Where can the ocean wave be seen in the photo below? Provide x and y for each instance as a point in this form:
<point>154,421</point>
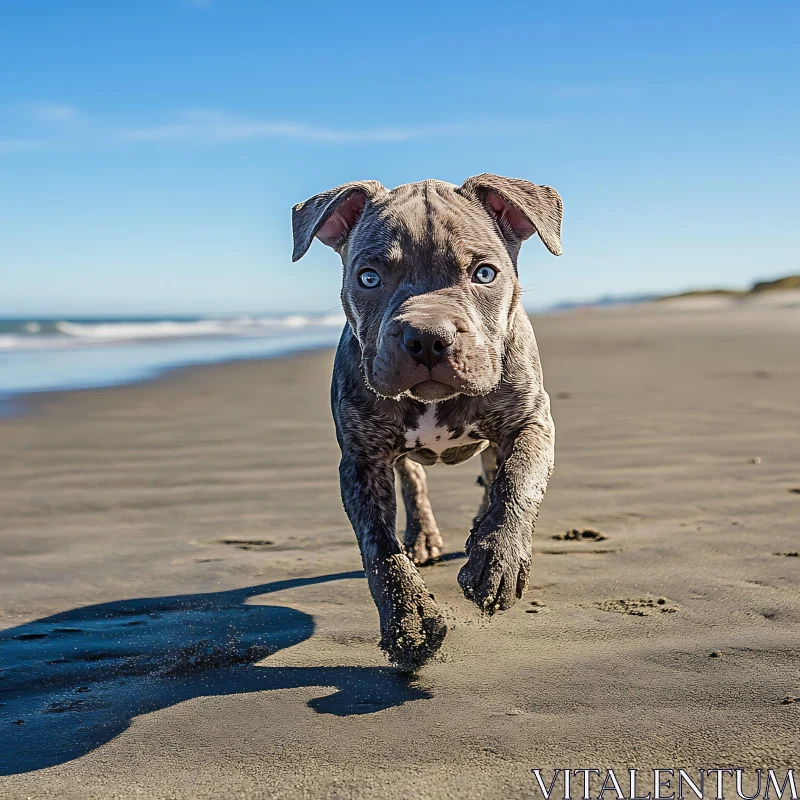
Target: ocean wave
<point>68,334</point>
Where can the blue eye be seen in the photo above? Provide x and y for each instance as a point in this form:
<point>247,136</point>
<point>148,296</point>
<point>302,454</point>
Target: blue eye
<point>369,278</point>
<point>484,274</point>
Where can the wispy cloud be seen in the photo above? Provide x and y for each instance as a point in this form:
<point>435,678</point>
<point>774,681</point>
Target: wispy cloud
<point>51,112</point>
<point>62,126</point>
<point>215,127</point>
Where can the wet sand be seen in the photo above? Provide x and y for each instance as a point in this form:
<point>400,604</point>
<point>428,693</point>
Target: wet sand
<point>183,615</point>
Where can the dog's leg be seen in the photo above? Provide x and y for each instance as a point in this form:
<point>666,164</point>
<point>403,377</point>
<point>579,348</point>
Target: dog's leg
<point>412,627</point>
<point>499,546</point>
<point>486,479</point>
<point>423,542</point>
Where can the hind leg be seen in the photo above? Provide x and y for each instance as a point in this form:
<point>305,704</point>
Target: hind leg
<point>423,542</point>
<point>486,479</point>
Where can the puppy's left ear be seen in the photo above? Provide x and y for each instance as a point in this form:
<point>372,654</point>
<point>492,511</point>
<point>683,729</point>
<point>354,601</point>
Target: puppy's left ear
<point>520,209</point>
<point>332,215</point>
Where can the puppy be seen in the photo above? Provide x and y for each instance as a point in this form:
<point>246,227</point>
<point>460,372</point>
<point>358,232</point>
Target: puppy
<point>437,363</point>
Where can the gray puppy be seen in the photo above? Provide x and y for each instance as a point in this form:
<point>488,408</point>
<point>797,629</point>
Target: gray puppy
<point>437,363</point>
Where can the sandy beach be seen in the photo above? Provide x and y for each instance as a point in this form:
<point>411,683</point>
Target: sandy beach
<point>183,612</point>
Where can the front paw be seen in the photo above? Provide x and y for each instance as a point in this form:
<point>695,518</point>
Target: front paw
<point>424,547</point>
<point>496,572</point>
<point>412,627</point>
<point>412,636</point>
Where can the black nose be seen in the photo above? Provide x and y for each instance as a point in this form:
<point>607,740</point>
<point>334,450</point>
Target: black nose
<point>424,347</point>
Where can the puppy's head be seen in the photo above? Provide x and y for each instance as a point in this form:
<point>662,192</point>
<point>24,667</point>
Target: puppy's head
<point>430,275</point>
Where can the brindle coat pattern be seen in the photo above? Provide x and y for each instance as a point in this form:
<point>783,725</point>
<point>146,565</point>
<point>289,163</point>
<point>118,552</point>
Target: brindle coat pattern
<point>483,392</point>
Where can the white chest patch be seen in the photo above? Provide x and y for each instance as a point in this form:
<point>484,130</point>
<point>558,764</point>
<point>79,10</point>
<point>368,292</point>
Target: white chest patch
<point>431,436</point>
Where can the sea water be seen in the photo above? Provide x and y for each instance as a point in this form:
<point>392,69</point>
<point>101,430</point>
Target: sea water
<point>39,355</point>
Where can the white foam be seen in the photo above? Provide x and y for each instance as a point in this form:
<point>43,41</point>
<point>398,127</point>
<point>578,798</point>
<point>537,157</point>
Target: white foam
<point>11,342</point>
<point>81,334</point>
<point>128,331</point>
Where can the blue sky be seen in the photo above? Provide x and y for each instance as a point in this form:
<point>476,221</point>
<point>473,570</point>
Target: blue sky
<point>151,150</point>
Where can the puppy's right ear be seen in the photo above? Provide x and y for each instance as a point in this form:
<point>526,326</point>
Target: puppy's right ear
<point>332,215</point>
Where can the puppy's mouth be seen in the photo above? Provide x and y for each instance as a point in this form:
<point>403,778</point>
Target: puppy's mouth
<point>431,391</point>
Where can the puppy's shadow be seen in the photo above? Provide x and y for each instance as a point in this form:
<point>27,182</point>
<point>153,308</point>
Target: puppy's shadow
<point>71,682</point>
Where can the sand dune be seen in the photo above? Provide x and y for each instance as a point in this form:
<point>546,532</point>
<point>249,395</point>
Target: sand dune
<point>183,613</point>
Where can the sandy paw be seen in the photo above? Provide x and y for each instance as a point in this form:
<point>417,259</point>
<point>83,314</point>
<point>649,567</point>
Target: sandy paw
<point>494,577</point>
<point>413,633</point>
